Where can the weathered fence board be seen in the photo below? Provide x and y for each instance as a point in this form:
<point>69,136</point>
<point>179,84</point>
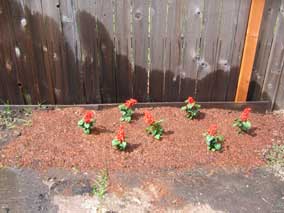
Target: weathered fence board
<point>237,51</point>
<point>123,47</point>
<point>159,28</point>
<point>267,82</point>
<point>172,74</point>
<point>192,35</point>
<point>140,45</point>
<point>101,51</point>
<point>10,67</point>
<point>209,48</point>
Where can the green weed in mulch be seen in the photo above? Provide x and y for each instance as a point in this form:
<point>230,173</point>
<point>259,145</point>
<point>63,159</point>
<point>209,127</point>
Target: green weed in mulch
<point>275,156</point>
<point>9,118</point>
<point>99,188</point>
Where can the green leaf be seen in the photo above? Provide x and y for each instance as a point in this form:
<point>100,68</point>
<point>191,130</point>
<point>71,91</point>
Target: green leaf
<point>247,125</point>
<point>122,107</point>
<point>80,123</point>
<point>128,118</point>
<point>158,136</point>
<point>190,106</point>
<point>209,138</point>
<point>123,145</point>
<point>217,146</point>
<point>115,142</point>
<point>87,131</point>
<point>183,108</point>
<point>87,125</point>
<point>197,106</point>
<point>220,137</point>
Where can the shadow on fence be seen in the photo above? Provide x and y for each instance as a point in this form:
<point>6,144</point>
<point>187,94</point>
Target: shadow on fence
<point>49,70</point>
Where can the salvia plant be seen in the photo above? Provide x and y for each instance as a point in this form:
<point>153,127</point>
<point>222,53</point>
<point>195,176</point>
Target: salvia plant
<point>119,141</point>
<point>191,108</point>
<point>126,110</point>
<point>242,123</point>
<point>154,127</point>
<point>87,122</point>
<point>212,139</point>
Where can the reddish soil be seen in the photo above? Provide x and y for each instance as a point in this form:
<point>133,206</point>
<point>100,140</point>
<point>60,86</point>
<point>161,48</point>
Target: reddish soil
<point>54,140</point>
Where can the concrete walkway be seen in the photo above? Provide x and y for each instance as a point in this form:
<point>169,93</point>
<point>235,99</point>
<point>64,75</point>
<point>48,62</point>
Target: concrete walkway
<point>194,191</point>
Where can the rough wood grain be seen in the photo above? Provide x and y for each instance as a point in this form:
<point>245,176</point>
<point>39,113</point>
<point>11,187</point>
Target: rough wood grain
<point>95,51</point>
<point>237,49</point>
<point>254,22</point>
<point>210,49</point>
<point>192,34</point>
<point>158,39</point>
<point>140,48</point>
<point>10,65</point>
<point>123,50</point>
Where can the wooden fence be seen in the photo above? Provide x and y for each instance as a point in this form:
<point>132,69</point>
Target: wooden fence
<point>100,51</point>
<point>268,79</point>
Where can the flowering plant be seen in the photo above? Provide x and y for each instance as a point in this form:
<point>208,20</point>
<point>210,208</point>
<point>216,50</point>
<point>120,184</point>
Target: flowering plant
<point>87,122</point>
<point>119,141</point>
<point>242,123</point>
<point>191,108</point>
<point>126,109</point>
<point>213,140</point>
<point>154,127</point>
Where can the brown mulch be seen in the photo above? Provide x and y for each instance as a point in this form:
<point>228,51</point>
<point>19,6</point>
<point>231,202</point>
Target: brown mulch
<point>54,140</point>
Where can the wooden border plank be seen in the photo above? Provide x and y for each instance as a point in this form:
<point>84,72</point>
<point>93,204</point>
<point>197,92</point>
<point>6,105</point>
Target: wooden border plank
<point>255,17</point>
<point>257,106</point>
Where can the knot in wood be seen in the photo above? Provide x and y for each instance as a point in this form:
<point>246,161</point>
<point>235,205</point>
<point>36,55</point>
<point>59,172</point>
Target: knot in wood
<point>138,15</point>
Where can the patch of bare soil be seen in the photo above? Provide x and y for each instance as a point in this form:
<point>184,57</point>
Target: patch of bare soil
<point>54,140</point>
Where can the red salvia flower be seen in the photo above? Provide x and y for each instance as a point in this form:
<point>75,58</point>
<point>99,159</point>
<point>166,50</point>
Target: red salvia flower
<point>190,100</point>
<point>245,114</point>
<point>148,118</point>
<point>130,103</point>
<point>212,130</point>
<point>88,117</point>
<point>121,134</point>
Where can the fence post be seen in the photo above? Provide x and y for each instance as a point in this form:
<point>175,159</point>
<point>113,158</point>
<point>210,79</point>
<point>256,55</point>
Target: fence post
<point>254,22</point>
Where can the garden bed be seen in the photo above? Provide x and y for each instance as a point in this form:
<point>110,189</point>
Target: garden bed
<point>54,140</point>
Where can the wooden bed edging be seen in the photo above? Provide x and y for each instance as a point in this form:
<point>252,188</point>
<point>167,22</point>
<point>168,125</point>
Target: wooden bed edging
<point>257,106</point>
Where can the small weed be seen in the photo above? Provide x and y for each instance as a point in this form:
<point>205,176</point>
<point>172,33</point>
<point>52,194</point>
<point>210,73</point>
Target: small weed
<point>275,156</point>
<point>99,188</point>
<point>7,116</point>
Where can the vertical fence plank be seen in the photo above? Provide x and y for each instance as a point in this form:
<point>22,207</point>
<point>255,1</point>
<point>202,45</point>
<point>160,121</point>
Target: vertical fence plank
<point>237,49</point>
<point>74,87</point>
<point>140,46</point>
<point>3,91</point>
<point>54,54</point>
<point>104,9</point>
<point>89,53</point>
<point>210,49</point>
<point>192,31</point>
<point>226,37</point>
<point>276,60</point>
<point>158,38</point>
<point>34,20</point>
<point>270,15</point>
<point>123,50</point>
<point>172,78</point>
<point>24,51</point>
<point>254,22</point>
<point>9,62</point>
